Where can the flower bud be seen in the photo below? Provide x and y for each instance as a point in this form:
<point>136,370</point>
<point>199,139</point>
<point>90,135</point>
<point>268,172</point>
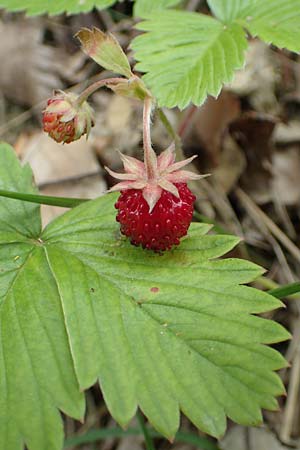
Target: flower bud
<point>65,120</point>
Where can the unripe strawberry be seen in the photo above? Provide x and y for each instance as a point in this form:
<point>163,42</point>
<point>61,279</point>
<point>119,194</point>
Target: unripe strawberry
<point>66,120</point>
<point>155,207</point>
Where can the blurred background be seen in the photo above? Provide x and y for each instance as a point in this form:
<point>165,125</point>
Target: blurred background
<point>248,139</point>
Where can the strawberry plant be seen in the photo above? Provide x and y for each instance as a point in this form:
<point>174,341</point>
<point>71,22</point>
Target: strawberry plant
<point>167,331</point>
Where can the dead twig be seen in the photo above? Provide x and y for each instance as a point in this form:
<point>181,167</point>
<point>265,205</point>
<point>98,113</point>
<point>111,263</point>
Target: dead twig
<point>272,227</point>
<point>293,390</point>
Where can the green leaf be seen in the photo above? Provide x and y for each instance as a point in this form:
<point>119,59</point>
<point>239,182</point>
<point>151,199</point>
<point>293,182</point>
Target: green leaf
<point>170,332</point>
<point>143,7</point>
<point>184,67</point>
<point>275,22</point>
<point>227,11</point>
<point>52,7</point>
<point>17,219</point>
<point>36,369</point>
<point>105,50</point>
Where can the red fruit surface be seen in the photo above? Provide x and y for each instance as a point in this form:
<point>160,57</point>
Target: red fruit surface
<point>59,131</point>
<point>164,226</point>
<point>65,120</point>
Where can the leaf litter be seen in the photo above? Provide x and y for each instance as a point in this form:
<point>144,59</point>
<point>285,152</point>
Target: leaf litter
<point>249,139</point>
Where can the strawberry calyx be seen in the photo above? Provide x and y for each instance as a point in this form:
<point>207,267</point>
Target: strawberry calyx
<point>165,174</point>
<point>155,174</point>
<point>65,119</point>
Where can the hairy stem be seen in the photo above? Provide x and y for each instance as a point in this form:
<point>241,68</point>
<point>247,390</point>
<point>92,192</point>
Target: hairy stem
<point>97,85</point>
<point>148,439</point>
<point>149,154</point>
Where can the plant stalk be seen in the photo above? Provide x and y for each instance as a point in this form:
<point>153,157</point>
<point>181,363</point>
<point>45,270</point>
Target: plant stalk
<point>149,154</point>
<point>64,202</point>
<point>145,431</point>
<point>286,291</point>
<point>97,85</point>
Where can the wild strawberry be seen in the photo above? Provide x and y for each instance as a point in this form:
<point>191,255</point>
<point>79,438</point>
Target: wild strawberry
<point>164,226</point>
<point>66,120</point>
<point>155,207</point>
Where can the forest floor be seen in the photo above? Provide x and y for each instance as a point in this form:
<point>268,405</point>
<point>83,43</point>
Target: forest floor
<point>248,139</point>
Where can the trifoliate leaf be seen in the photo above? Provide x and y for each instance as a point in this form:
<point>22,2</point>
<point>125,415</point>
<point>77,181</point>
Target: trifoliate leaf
<point>52,7</point>
<point>275,22</point>
<point>227,11</point>
<point>105,50</point>
<point>144,7</point>
<point>184,67</point>
<point>164,332</point>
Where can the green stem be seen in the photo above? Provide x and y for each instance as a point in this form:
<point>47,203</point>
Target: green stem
<point>148,439</point>
<point>96,435</point>
<point>64,202</point>
<point>168,126</point>
<point>97,85</point>
<point>288,290</point>
<point>266,283</point>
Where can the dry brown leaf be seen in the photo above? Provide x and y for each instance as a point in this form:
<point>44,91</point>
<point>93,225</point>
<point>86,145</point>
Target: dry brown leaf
<point>118,126</point>
<point>287,133</point>
<point>259,78</point>
<point>241,438</point>
<point>63,170</point>
<point>253,132</point>
<point>131,443</point>
<point>52,162</point>
<point>90,187</point>
<point>209,124</point>
<point>119,113</point>
<point>231,165</point>
<point>286,171</point>
<point>31,69</point>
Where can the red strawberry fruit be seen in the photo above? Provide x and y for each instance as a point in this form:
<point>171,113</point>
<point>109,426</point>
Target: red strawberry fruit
<point>155,207</point>
<point>164,226</point>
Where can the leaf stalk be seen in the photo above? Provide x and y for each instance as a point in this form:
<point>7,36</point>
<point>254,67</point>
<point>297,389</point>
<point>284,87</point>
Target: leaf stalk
<point>97,85</point>
<point>145,431</point>
<point>149,154</point>
<point>64,202</point>
<point>286,290</point>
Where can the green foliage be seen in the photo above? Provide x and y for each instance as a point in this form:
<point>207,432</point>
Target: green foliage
<point>228,11</point>
<point>96,435</point>
<point>79,303</point>
<point>189,56</point>
<point>144,7</point>
<point>184,67</point>
<point>36,371</point>
<point>105,50</point>
<point>275,22</point>
<point>52,7</point>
